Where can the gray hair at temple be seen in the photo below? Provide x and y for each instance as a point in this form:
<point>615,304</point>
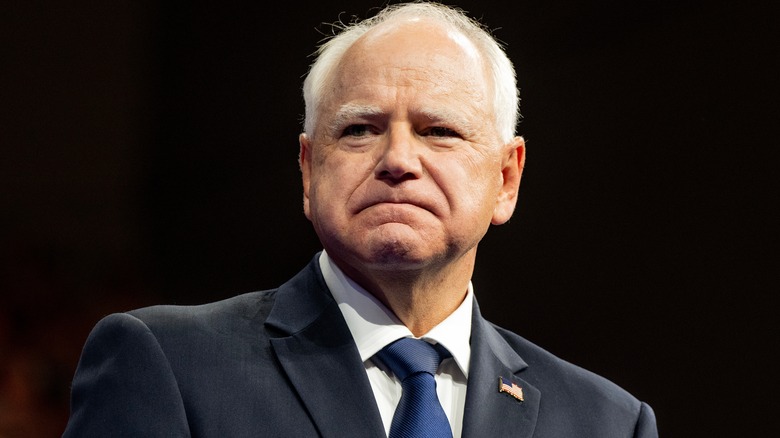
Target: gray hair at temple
<point>329,55</point>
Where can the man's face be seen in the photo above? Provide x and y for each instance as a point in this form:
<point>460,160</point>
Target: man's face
<point>405,169</point>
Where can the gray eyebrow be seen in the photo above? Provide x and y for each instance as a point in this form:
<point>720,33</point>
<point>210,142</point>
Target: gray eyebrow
<point>351,111</point>
<point>451,117</point>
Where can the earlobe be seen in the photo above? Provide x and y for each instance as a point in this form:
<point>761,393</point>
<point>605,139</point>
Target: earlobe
<point>511,173</point>
<point>304,162</point>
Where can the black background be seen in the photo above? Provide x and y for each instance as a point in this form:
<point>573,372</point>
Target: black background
<point>149,156</point>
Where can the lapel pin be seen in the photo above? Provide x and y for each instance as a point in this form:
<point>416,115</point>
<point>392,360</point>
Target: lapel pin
<point>508,387</point>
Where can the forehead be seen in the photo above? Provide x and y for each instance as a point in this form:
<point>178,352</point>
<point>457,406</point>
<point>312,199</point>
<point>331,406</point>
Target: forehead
<point>419,58</point>
<point>417,34</point>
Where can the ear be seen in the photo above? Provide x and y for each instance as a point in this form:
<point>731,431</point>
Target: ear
<point>304,161</point>
<point>511,172</point>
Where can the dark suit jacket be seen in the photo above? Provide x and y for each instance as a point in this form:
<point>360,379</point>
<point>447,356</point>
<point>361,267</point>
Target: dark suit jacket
<point>282,363</point>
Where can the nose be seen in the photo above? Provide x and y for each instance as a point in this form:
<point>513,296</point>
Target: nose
<point>400,159</point>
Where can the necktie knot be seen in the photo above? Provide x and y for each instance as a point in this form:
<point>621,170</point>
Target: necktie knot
<point>408,356</point>
<point>419,413</point>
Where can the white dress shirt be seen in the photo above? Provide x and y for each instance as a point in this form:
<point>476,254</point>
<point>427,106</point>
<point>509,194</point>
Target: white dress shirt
<point>373,326</point>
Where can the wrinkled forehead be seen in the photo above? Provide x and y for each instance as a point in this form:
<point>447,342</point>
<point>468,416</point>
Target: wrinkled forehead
<point>416,32</point>
<point>416,43</point>
<point>432,57</point>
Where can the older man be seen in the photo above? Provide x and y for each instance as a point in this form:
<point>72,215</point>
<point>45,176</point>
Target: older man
<point>408,156</point>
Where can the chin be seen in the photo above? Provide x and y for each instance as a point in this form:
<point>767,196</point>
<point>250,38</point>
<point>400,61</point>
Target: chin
<point>398,255</point>
<point>388,246</point>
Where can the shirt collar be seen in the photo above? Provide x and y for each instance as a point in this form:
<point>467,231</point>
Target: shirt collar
<point>373,325</point>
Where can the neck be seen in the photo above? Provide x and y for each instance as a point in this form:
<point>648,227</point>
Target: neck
<point>420,298</point>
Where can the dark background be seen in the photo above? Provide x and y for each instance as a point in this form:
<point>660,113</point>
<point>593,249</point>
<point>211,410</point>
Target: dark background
<point>148,155</point>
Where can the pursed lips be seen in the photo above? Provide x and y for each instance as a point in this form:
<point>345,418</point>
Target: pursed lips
<point>396,200</point>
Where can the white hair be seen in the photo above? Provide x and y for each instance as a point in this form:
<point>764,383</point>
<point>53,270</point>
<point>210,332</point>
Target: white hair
<point>329,55</point>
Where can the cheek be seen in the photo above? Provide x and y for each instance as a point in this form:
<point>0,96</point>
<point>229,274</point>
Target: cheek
<point>469,183</point>
<point>334,178</point>
<point>324,191</point>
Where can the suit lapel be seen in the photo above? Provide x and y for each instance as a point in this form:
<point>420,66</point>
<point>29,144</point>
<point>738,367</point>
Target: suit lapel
<point>489,412</point>
<point>319,356</point>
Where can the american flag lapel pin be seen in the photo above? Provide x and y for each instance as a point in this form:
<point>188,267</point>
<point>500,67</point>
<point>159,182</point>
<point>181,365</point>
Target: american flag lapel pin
<point>509,387</point>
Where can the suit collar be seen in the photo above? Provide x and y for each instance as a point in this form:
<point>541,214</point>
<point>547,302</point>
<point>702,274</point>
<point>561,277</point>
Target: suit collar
<point>489,412</point>
<point>300,301</point>
<point>316,351</point>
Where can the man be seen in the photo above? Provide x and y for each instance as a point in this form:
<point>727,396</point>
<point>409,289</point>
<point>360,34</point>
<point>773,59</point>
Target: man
<point>408,156</point>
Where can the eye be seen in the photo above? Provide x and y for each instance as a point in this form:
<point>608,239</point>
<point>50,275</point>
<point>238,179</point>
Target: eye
<point>440,131</point>
<point>356,131</point>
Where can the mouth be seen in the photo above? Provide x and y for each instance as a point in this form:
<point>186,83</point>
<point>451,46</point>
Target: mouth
<point>404,213</point>
<point>396,203</point>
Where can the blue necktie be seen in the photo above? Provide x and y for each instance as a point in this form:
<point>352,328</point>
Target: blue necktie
<point>419,413</point>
